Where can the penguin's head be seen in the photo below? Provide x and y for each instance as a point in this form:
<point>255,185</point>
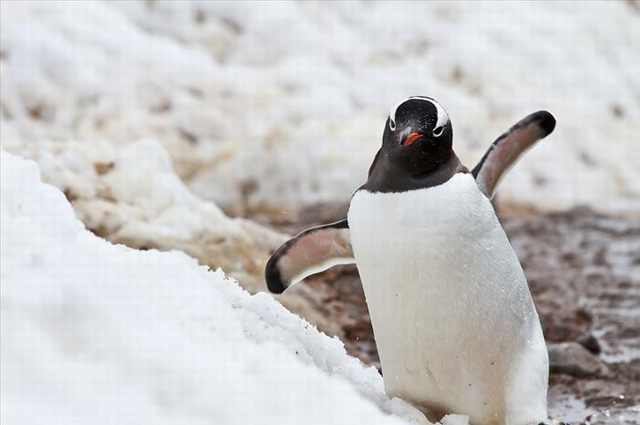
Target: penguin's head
<point>418,136</point>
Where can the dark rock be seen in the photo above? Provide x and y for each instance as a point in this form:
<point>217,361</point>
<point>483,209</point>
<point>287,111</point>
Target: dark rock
<point>591,344</point>
<point>573,359</point>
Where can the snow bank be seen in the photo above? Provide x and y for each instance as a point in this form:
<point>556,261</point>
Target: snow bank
<point>100,333</point>
<point>268,106</point>
<point>131,195</point>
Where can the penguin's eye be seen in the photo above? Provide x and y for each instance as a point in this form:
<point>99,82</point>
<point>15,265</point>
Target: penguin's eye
<point>437,132</point>
<point>392,125</point>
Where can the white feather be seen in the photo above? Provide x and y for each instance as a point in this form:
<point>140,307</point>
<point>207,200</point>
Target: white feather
<point>453,318</point>
<point>325,265</point>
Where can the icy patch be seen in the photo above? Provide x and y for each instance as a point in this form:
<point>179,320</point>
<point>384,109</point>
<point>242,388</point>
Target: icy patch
<point>569,409</point>
<point>455,420</point>
<point>100,333</point>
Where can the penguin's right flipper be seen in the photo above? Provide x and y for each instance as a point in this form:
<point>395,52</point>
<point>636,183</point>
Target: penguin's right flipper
<point>507,148</point>
<point>311,251</point>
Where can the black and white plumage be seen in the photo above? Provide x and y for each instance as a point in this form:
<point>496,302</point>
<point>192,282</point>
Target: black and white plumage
<point>454,322</point>
<point>311,251</point>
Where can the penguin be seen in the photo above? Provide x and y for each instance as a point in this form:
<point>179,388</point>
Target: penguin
<point>453,318</point>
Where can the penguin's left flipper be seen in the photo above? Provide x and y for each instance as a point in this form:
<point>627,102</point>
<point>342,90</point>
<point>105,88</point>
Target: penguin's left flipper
<point>311,251</point>
<point>507,148</point>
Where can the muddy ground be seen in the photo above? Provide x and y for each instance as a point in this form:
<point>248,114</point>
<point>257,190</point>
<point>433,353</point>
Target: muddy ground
<point>584,272</point>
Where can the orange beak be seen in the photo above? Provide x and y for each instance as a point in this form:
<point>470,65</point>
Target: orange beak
<point>412,138</point>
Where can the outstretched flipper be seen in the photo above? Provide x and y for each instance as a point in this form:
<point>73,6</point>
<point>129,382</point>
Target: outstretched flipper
<point>311,251</point>
<point>507,148</point>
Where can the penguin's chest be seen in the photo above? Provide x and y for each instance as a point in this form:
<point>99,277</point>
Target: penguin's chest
<point>446,294</point>
<point>431,247</point>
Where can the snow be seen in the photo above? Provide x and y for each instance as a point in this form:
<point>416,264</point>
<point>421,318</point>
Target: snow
<point>99,333</point>
<point>130,194</point>
<point>280,105</point>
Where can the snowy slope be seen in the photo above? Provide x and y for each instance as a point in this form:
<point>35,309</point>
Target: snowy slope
<point>103,334</point>
<point>130,194</point>
<point>277,105</point>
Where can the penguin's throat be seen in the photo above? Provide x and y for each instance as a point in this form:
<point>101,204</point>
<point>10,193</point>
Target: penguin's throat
<point>389,177</point>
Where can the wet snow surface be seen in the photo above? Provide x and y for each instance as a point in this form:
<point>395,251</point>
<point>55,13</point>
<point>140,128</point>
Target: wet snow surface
<point>584,271</point>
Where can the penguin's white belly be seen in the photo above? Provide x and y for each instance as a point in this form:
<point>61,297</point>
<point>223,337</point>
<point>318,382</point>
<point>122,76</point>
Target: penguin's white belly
<point>454,322</point>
